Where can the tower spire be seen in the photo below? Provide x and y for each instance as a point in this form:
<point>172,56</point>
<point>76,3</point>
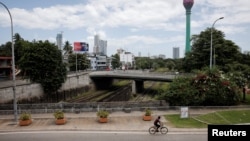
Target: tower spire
<point>188,5</point>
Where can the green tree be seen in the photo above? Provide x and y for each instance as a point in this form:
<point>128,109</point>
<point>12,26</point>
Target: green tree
<point>67,48</point>
<point>5,50</point>
<point>170,64</point>
<point>19,46</point>
<point>42,63</point>
<point>179,64</point>
<point>84,63</point>
<point>226,52</point>
<point>245,61</point>
<point>142,62</point>
<point>239,79</point>
<point>206,88</point>
<point>81,60</point>
<point>115,61</point>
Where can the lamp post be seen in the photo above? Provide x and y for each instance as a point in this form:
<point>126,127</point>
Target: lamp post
<point>76,63</point>
<point>13,65</point>
<point>211,44</point>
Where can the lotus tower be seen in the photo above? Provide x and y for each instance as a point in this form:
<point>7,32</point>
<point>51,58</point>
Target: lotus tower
<point>188,5</point>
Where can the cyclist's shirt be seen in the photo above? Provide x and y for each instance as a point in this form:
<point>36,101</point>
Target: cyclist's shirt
<point>157,121</point>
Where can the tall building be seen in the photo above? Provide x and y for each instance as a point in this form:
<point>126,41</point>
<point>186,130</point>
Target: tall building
<point>188,4</point>
<point>103,47</point>
<point>59,41</point>
<point>100,46</point>
<point>96,44</point>
<point>176,52</point>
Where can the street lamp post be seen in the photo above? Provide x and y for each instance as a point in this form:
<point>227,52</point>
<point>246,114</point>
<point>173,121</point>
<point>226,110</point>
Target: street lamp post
<point>13,65</point>
<point>76,63</point>
<point>211,44</point>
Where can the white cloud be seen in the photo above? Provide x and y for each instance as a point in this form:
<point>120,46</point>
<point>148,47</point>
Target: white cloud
<point>136,14</point>
<point>141,20</point>
<point>102,13</point>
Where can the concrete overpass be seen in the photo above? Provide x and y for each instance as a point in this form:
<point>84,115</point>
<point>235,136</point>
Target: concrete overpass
<point>104,79</point>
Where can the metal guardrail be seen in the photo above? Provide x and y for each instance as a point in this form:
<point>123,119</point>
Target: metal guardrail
<point>6,109</point>
<point>81,107</point>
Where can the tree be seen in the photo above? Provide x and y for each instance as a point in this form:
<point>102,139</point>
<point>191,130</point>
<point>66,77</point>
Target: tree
<point>68,48</point>
<point>5,50</point>
<point>115,61</point>
<point>239,79</point>
<point>206,88</point>
<point>82,62</point>
<point>170,64</point>
<point>19,46</point>
<point>42,63</point>
<point>142,63</point>
<point>226,52</point>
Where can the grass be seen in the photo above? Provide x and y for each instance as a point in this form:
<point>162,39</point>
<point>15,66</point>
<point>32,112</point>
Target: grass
<point>201,121</point>
<point>178,122</point>
<point>121,83</point>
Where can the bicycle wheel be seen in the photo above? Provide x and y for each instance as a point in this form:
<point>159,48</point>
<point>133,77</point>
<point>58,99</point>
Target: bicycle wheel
<point>152,130</point>
<point>164,130</point>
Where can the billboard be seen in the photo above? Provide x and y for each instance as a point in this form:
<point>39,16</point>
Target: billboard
<point>81,46</point>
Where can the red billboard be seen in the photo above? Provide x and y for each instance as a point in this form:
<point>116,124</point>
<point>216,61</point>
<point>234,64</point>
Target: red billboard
<point>81,46</point>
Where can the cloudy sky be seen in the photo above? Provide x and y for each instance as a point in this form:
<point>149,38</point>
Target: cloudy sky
<point>148,27</point>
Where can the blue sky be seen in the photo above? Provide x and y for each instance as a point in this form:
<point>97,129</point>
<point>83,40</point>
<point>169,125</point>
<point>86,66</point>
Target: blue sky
<point>138,26</point>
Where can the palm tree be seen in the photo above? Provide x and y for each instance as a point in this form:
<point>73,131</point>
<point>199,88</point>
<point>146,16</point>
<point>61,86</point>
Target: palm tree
<point>67,48</point>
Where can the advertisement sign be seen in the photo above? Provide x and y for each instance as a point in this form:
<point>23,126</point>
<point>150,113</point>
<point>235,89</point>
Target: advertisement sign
<point>184,112</point>
<point>81,46</point>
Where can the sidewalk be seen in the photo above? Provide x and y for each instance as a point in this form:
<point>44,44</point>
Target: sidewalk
<point>87,121</point>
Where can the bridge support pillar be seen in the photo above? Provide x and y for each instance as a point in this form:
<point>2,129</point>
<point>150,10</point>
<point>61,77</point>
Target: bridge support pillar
<point>137,86</point>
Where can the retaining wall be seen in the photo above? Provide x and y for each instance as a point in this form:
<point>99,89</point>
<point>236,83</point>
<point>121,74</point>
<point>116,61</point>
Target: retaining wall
<point>27,90</point>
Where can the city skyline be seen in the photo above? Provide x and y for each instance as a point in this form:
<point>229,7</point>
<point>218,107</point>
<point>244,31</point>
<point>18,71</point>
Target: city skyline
<point>143,26</point>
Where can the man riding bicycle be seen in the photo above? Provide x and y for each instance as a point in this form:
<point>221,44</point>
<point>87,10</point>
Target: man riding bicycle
<point>157,123</point>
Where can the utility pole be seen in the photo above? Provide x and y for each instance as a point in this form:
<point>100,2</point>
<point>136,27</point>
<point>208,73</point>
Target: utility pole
<point>13,66</point>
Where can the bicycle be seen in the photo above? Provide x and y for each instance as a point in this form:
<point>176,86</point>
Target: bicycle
<point>162,129</point>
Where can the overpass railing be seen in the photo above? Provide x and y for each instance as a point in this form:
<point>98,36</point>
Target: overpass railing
<point>7,109</point>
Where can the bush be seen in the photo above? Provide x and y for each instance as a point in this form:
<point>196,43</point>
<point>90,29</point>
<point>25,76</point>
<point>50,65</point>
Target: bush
<point>59,114</point>
<point>207,88</point>
<point>102,113</point>
<point>25,116</point>
<point>148,112</point>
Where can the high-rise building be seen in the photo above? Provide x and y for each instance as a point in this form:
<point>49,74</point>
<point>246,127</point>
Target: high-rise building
<point>103,47</point>
<point>100,46</point>
<point>96,44</point>
<point>176,52</point>
<point>188,4</point>
<point>59,41</point>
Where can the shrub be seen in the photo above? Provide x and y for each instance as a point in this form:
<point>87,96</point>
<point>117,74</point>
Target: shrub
<point>59,114</point>
<point>25,116</point>
<point>148,112</point>
<point>206,88</point>
<point>102,113</point>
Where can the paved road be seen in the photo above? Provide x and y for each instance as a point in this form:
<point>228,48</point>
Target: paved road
<point>97,136</point>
